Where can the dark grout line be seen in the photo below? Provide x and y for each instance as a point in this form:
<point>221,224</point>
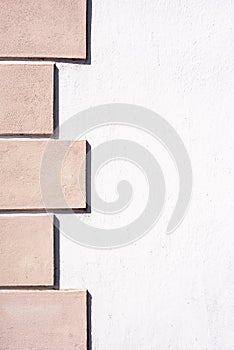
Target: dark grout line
<point>43,211</point>
<point>56,103</point>
<point>89,321</point>
<point>56,253</point>
<point>27,288</point>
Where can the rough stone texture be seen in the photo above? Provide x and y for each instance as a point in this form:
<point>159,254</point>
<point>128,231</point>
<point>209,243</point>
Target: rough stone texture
<point>26,250</point>
<point>43,28</point>
<point>43,320</point>
<point>35,174</point>
<point>26,99</point>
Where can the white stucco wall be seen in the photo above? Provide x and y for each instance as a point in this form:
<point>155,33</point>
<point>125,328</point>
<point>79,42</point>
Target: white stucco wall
<point>162,292</point>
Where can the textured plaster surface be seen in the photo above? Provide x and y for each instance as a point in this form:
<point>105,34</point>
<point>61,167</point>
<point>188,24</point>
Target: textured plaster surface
<point>26,99</point>
<point>42,320</point>
<point>163,292</point>
<point>26,250</point>
<point>22,186</point>
<point>43,28</point>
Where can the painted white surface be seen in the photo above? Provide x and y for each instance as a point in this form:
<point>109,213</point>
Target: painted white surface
<point>162,292</point>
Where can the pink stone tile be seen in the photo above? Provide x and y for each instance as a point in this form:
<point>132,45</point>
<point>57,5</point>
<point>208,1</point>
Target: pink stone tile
<point>26,250</point>
<point>43,320</point>
<point>43,28</point>
<point>31,172</point>
<point>26,99</point>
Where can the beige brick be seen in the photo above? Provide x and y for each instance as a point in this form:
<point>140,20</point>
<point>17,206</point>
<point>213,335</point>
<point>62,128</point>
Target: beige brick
<point>43,28</point>
<point>26,250</point>
<point>35,174</point>
<point>26,99</point>
<point>43,320</point>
